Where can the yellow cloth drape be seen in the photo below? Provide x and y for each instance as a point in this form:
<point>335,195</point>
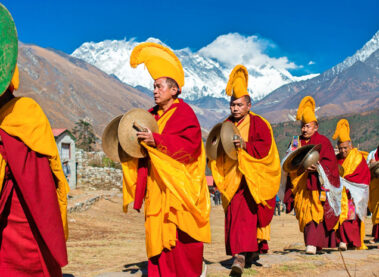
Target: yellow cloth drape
<point>373,203</point>
<point>263,233</point>
<point>262,175</point>
<point>22,117</point>
<point>307,203</point>
<point>352,161</point>
<point>177,196</point>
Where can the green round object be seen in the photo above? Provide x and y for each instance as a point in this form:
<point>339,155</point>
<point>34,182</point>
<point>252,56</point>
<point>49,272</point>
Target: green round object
<point>8,48</point>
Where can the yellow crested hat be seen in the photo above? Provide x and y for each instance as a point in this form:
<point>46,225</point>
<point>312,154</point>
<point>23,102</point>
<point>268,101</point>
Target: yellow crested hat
<point>237,84</point>
<point>342,132</point>
<point>15,82</point>
<point>306,110</point>
<point>159,60</point>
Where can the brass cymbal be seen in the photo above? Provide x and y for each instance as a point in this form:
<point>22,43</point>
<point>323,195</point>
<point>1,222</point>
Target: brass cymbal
<point>110,143</point>
<point>302,157</point>
<point>228,130</point>
<point>213,142</point>
<point>133,120</point>
<point>374,170</point>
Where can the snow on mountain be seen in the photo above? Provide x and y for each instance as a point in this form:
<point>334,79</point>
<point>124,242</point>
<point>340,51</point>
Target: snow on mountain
<point>207,70</point>
<point>361,55</point>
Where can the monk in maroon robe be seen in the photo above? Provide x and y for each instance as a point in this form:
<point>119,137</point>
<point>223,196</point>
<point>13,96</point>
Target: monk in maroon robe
<point>349,232</point>
<point>316,234</point>
<point>32,239</point>
<point>181,140</point>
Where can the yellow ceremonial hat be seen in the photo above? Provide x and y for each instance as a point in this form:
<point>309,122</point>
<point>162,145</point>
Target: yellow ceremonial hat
<point>342,132</point>
<point>237,84</point>
<point>159,60</point>
<point>15,82</point>
<point>306,110</point>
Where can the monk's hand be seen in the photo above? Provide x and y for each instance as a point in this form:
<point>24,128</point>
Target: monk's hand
<point>147,137</point>
<point>372,161</point>
<point>239,142</point>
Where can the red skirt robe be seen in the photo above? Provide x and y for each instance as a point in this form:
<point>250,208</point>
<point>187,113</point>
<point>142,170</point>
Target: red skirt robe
<point>32,241</point>
<point>243,215</point>
<point>181,140</point>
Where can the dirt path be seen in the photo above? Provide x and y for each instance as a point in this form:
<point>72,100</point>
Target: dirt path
<point>106,242</point>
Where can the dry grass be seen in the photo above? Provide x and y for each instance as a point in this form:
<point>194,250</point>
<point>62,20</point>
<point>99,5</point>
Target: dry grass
<point>104,239</point>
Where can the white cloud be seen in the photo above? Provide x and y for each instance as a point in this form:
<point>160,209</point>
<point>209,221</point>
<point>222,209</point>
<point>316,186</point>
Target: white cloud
<point>311,63</point>
<point>233,48</point>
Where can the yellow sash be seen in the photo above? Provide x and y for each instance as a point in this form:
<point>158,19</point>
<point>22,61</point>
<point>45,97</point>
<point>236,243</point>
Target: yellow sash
<point>177,196</point>
<point>22,117</point>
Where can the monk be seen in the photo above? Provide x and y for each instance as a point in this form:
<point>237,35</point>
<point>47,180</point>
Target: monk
<point>172,179</point>
<point>315,210</point>
<point>248,185</point>
<point>351,229</point>
<point>33,224</point>
<point>374,196</point>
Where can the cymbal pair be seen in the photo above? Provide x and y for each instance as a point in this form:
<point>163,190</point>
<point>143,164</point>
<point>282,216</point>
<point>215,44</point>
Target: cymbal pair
<point>119,140</point>
<point>302,158</point>
<point>220,139</point>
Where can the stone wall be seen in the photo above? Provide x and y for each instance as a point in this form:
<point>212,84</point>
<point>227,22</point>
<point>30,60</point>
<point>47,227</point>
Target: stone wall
<point>91,174</point>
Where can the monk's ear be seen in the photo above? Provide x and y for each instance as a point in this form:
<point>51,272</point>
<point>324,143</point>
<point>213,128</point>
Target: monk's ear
<point>315,125</point>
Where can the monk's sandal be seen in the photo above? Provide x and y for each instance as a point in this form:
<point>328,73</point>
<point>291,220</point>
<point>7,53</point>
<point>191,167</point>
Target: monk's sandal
<point>238,264</point>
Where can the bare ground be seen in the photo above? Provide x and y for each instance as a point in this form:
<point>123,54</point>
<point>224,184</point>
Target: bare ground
<point>104,241</point>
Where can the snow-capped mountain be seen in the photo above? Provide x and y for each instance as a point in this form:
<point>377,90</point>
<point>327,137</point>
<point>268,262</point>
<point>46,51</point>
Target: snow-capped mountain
<point>206,75</point>
<point>361,55</point>
<point>349,87</point>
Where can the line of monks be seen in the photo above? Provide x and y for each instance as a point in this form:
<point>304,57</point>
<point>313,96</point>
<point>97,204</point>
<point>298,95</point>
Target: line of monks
<point>330,204</point>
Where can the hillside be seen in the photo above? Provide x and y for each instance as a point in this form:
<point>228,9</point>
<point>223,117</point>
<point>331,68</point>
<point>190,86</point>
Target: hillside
<point>69,89</point>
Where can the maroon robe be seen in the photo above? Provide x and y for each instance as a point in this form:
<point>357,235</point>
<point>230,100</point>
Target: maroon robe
<point>243,215</point>
<point>322,234</point>
<point>32,237</point>
<point>181,140</point>
<point>349,230</point>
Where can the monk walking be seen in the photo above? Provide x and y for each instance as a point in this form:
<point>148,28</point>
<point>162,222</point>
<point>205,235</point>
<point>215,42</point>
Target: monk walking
<point>172,179</point>
<point>316,211</point>
<point>249,184</point>
<point>33,225</point>
<point>356,178</point>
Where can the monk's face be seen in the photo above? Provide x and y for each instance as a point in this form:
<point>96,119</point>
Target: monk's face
<point>308,129</point>
<point>239,107</point>
<point>163,94</point>
<point>344,148</point>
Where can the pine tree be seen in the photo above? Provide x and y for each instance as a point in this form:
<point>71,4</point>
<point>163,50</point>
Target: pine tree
<point>85,137</point>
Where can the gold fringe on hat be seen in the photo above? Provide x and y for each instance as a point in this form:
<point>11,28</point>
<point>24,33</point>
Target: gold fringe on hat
<point>342,132</point>
<point>159,61</point>
<point>306,110</point>
<point>238,80</point>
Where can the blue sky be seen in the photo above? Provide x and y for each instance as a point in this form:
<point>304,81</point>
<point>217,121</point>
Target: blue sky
<point>314,35</point>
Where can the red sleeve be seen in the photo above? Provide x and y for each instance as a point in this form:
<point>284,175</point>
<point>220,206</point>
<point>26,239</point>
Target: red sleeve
<point>328,162</point>
<point>34,178</point>
<point>361,174</point>
<point>377,154</point>
<point>259,142</point>
<point>181,137</point>
<point>141,183</point>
